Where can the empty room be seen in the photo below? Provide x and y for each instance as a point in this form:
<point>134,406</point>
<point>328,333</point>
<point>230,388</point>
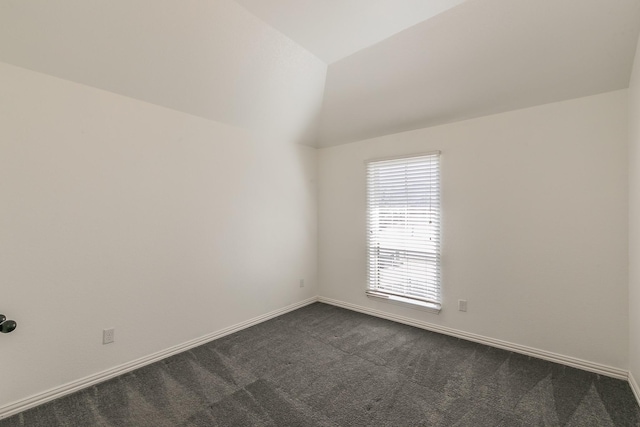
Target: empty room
<point>319,213</point>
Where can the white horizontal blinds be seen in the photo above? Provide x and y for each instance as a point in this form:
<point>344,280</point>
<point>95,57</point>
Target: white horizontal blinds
<point>403,208</point>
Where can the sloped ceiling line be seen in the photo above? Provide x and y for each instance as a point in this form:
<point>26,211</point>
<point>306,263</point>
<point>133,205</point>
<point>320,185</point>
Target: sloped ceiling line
<point>394,65</point>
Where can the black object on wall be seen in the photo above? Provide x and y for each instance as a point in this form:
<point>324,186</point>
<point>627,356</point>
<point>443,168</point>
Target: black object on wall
<point>7,326</point>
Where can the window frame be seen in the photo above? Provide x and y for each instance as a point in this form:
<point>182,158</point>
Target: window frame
<point>432,274</point>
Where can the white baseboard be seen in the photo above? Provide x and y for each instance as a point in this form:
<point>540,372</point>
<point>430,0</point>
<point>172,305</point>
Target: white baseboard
<point>634,387</point>
<point>516,348</point>
<point>72,387</point>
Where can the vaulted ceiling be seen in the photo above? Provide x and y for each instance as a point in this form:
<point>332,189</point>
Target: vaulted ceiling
<point>479,58</point>
<point>326,72</point>
<point>334,29</point>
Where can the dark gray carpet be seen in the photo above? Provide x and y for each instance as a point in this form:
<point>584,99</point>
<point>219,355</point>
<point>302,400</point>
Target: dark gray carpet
<point>325,366</point>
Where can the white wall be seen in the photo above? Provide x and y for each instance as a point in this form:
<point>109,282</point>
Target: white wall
<point>534,225</point>
<point>634,220</point>
<point>119,213</point>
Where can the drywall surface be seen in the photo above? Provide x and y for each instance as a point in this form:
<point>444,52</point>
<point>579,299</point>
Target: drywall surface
<point>634,220</point>
<point>118,213</point>
<point>210,58</point>
<point>534,217</point>
<point>480,58</point>
<point>334,30</point>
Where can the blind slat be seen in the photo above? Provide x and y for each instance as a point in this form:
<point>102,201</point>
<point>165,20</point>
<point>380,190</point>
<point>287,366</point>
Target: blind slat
<point>403,221</point>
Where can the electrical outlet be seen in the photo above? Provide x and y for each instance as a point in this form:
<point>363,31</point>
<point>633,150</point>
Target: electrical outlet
<point>302,283</point>
<point>108,335</point>
<point>462,304</point>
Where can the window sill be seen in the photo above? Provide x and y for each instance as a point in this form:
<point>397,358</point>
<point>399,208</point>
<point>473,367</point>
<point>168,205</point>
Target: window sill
<point>406,302</point>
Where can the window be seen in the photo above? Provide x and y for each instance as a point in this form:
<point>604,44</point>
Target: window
<point>403,229</point>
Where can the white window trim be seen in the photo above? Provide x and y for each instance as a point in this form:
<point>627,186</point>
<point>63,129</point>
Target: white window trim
<point>431,307</point>
<point>415,303</point>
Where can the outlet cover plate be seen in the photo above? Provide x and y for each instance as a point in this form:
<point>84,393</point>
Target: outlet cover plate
<point>108,336</point>
<point>462,304</point>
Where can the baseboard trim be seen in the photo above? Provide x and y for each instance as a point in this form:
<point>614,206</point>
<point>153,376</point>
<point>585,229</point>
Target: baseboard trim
<point>634,387</point>
<point>57,392</point>
<point>505,345</point>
